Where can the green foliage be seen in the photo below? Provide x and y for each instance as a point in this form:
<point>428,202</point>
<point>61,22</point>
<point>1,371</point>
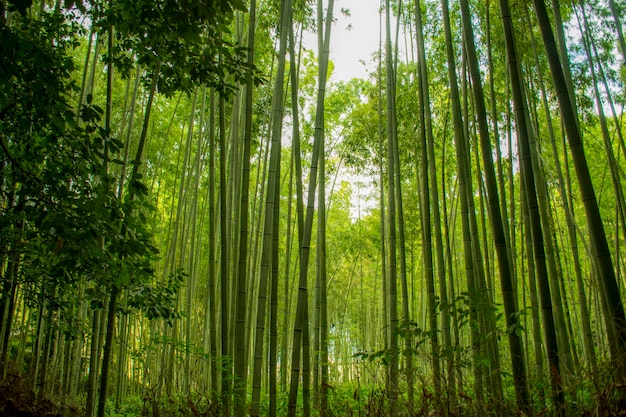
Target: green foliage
<point>155,405</point>
<point>184,43</point>
<point>347,399</point>
<point>132,407</point>
<point>158,301</point>
<point>19,5</point>
<point>51,171</point>
<point>60,213</point>
<point>67,239</point>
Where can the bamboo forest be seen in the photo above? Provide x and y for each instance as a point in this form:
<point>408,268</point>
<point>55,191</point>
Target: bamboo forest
<point>199,218</point>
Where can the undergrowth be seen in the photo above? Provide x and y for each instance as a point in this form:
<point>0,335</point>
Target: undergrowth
<point>599,395</point>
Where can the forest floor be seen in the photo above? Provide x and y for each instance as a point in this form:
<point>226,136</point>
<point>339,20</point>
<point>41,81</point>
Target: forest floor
<point>18,399</point>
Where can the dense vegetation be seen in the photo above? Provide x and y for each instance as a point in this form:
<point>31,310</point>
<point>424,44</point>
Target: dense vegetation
<point>196,219</point>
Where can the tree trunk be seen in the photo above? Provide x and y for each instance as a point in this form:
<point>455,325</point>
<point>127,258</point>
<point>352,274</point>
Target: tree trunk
<point>392,293</point>
<point>242,275</point>
<point>308,223</point>
<point>600,248</point>
<point>225,281</point>
<point>465,195</point>
<point>587,338</point>
<point>495,216</point>
<point>528,175</point>
<point>428,185</point>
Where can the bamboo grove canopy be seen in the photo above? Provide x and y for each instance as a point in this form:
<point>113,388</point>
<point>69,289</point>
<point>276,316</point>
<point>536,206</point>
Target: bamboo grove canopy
<point>198,218</point>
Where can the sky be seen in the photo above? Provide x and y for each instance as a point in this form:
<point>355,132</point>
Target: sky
<point>353,38</point>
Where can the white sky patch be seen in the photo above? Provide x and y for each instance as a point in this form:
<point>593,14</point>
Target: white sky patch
<point>353,38</point>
